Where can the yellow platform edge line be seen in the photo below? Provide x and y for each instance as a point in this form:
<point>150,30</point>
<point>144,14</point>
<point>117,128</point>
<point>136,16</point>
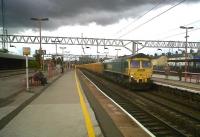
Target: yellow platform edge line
<point>86,114</point>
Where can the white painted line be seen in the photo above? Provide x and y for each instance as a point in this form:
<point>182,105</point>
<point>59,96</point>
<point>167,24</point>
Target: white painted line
<point>137,122</point>
<point>181,88</point>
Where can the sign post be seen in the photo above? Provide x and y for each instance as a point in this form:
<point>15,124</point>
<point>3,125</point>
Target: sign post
<point>26,52</point>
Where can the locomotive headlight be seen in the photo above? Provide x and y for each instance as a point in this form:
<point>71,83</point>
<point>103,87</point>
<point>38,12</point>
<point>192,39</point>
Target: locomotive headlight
<point>131,76</point>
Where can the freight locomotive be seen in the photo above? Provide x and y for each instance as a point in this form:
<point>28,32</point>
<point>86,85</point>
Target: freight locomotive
<point>135,70</point>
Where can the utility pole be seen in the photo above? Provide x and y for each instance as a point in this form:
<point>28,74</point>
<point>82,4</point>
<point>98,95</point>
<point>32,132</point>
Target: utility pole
<point>3,23</point>
<point>98,53</point>
<point>56,42</point>
<point>133,48</point>
<point>117,51</point>
<point>82,44</point>
<point>186,43</point>
<point>63,48</point>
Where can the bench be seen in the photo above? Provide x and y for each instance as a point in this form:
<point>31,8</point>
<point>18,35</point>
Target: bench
<point>33,82</point>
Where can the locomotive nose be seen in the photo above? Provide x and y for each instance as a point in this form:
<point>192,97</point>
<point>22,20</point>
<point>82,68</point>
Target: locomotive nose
<point>140,76</point>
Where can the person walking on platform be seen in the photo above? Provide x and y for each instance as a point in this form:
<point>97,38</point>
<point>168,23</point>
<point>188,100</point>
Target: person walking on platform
<point>167,71</point>
<point>62,69</point>
<point>180,73</point>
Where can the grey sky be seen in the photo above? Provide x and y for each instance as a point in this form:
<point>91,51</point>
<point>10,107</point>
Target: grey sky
<point>72,12</point>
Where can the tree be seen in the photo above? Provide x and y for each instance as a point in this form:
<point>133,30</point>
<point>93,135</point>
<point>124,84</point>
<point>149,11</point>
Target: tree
<point>163,54</point>
<point>37,58</point>
<point>33,64</point>
<point>169,53</point>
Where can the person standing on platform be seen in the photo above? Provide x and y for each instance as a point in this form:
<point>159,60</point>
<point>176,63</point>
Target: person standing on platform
<point>167,71</point>
<point>180,73</point>
<point>62,69</point>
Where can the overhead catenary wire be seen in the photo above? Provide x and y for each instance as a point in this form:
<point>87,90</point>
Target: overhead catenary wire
<point>192,22</point>
<point>137,27</point>
<point>139,17</point>
<point>177,28</point>
<point>170,36</point>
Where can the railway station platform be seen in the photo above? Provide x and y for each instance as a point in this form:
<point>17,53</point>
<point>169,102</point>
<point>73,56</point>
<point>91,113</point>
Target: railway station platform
<point>174,81</point>
<point>60,111</point>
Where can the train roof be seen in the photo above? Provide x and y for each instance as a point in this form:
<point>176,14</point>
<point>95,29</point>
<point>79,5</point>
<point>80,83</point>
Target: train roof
<point>11,56</point>
<point>139,55</point>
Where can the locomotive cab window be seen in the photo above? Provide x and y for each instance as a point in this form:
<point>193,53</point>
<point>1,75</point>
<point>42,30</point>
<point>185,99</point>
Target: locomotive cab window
<point>146,64</point>
<point>135,64</point>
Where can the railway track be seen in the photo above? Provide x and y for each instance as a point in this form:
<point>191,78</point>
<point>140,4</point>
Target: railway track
<point>159,114</point>
<point>9,73</point>
<point>183,98</point>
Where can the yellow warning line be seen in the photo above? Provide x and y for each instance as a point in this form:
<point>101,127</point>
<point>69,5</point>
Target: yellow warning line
<point>86,115</point>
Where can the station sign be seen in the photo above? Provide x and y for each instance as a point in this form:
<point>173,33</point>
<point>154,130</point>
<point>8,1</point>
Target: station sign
<point>26,51</point>
<point>43,52</point>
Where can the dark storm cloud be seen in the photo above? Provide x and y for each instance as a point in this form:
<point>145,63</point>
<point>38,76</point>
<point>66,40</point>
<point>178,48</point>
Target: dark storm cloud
<point>70,12</point>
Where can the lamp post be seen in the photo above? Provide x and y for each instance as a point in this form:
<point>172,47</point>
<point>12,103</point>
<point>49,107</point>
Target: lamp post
<point>186,55</point>
<point>98,53</point>
<point>3,23</point>
<point>160,50</point>
<point>56,42</point>
<point>39,20</point>
<point>63,48</point>
<point>106,52</point>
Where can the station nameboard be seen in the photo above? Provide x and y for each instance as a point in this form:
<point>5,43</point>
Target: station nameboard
<point>43,52</point>
<point>26,51</point>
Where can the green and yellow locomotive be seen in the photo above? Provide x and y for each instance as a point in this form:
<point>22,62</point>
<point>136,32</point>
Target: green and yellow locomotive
<point>135,70</point>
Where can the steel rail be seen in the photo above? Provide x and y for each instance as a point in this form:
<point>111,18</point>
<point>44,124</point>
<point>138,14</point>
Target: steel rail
<point>136,108</point>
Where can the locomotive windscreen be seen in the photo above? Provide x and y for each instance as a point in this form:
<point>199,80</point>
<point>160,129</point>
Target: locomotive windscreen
<point>135,64</point>
<point>146,64</point>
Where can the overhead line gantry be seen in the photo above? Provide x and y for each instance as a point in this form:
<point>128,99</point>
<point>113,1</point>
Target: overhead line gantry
<point>98,42</point>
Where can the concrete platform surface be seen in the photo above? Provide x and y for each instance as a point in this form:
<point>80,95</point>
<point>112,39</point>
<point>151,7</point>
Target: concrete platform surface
<point>174,81</point>
<point>12,105</point>
<point>55,113</point>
